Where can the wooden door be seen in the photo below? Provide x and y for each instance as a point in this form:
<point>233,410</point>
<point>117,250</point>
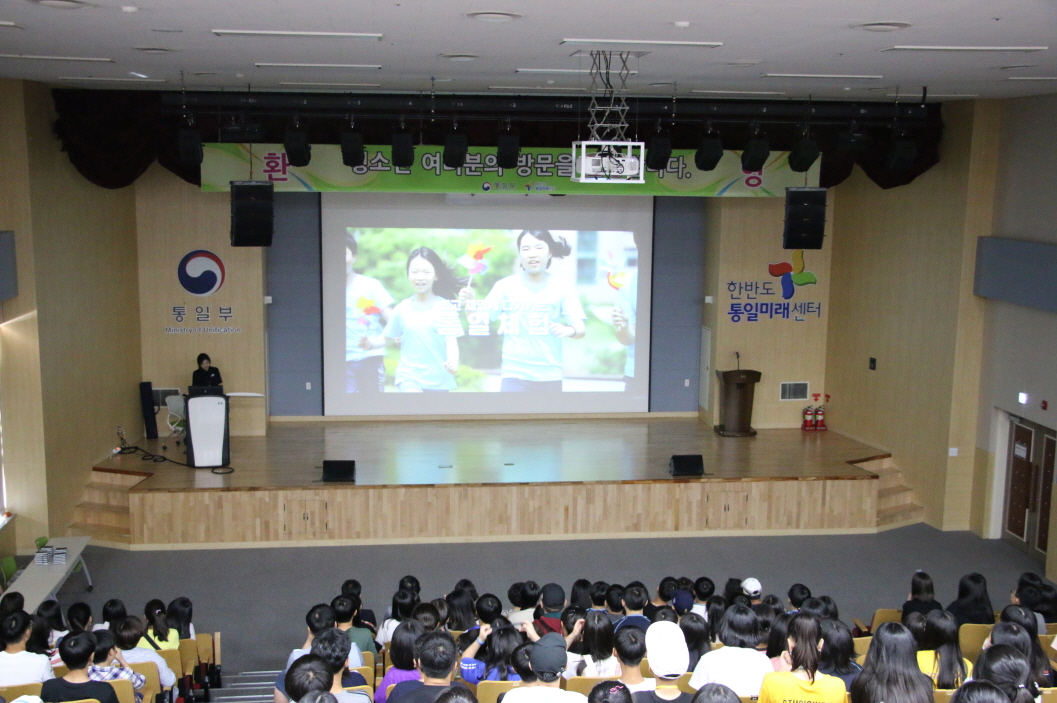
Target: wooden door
<point>1049,446</point>
<point>1018,491</point>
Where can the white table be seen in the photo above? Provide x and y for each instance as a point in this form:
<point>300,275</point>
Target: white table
<point>40,582</point>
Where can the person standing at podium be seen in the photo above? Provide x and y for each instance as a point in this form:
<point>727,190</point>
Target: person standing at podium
<point>206,374</point>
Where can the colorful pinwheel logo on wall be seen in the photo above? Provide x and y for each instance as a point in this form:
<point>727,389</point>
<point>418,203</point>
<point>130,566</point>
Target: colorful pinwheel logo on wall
<point>367,307</point>
<point>792,275</point>
<point>473,260</point>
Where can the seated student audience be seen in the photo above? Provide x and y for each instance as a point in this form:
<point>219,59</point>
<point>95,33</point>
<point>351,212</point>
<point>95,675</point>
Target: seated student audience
<point>529,599</point>
<point>496,663</point>
<point>922,595</point>
<point>1029,597</point>
<point>580,595</point>
<point>127,634</point>
<point>598,644</point>
<point>428,615</point>
<point>814,606</point>
<point>462,613</point>
<point>1041,672</point>
<point>319,619</point>
<point>704,589</point>
<point>633,603</point>
<point>830,605</point>
<point>488,609</point>
<point>113,613</point>
<point>615,603</point>
<point>752,589</point>
<point>158,634</point>
<point>737,664</point>
<point>108,664</point>
<point>597,593</point>
<point>51,613</point>
<point>404,602</point>
<point>333,646</point>
<point>717,605</point>
<point>364,617</point>
<point>1048,607</point>
<point>308,674</point>
<point>665,614</point>
<point>522,665</point>
<point>11,602</point>
<point>778,641</point>
<point>610,692</point>
<point>695,632</point>
<point>838,652</point>
<point>668,657</point>
<point>716,693</point>
<point>17,664</point>
<point>798,593</point>
<point>973,605</point>
<point>346,608</point>
<point>801,680</point>
<point>1012,634</point>
<point>457,694</point>
<point>465,584</point>
<point>979,692</point>
<point>438,661</point>
<point>179,615</point>
<point>662,596</point>
<point>402,655</point>
<point>547,657</point>
<point>682,602</point>
<point>940,655</point>
<point>891,671</point>
<point>915,622</point>
<point>38,641</point>
<point>79,618</point>
<point>630,647</point>
<point>766,614</point>
<point>552,601</point>
<point>1009,670</point>
<point>775,602</point>
<point>77,652</point>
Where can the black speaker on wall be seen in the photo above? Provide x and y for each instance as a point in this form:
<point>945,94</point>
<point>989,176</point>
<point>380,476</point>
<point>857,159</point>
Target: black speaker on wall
<point>403,149</point>
<point>686,465</point>
<point>251,213</point>
<point>146,401</point>
<point>805,218</point>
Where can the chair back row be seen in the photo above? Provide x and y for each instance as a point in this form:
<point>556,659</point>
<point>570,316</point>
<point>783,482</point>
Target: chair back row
<point>122,688</point>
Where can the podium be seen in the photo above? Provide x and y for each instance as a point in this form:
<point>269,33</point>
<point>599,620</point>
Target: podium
<point>207,431</point>
<point>735,402</point>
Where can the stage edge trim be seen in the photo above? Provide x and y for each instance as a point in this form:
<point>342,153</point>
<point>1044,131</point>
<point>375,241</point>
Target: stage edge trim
<point>521,416</point>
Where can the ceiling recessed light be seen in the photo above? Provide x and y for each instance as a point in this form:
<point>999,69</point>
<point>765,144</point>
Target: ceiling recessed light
<point>442,80</point>
<point>154,50</point>
<point>460,57</point>
<point>493,16</point>
<point>331,85</point>
<point>5,23</point>
<point>681,24</point>
<point>317,65</point>
<point>111,80</point>
<point>163,30</point>
<point>743,64</point>
<point>841,76</point>
<point>138,75</point>
<point>61,4</point>
<point>1016,66</point>
<point>1006,49</point>
<point>306,35</point>
<point>646,42</point>
<point>738,92</point>
<point>537,87</point>
<point>882,26</point>
<point>1032,78</point>
<point>33,57</point>
<point>129,8</point>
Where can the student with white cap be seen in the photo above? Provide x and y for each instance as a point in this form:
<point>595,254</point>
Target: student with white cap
<point>753,589</point>
<point>669,658</point>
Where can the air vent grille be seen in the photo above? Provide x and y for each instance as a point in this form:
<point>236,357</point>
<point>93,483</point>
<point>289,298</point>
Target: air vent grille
<point>794,391</point>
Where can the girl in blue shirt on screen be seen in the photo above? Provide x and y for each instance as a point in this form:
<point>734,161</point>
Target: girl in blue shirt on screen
<point>536,311</point>
<point>426,325</point>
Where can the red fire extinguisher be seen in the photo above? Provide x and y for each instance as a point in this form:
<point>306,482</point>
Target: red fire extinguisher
<point>820,418</point>
<point>809,419</point>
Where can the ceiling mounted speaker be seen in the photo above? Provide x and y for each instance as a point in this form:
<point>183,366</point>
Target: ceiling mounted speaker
<point>352,152</point>
<point>709,153</point>
<point>805,152</point>
<point>658,151</point>
<point>853,142</point>
<point>757,151</point>
<point>298,150</point>
<point>455,146</point>
<point>805,218</point>
<point>252,215</point>
<point>508,149</point>
<point>903,154</point>
<point>403,149</point>
<point>189,147</point>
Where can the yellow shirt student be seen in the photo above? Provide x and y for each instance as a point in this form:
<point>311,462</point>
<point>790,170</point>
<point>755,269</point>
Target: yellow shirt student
<point>787,687</point>
<point>929,663</point>
<point>173,641</point>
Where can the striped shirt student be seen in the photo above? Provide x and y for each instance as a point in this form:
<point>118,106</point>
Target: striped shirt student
<point>108,663</point>
<point>113,673</point>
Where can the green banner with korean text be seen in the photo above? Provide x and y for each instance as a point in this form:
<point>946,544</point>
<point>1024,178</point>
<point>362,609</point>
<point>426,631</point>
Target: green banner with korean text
<point>539,171</point>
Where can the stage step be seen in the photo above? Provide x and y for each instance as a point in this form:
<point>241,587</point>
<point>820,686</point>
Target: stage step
<point>101,533</point>
<point>103,513</point>
<point>899,515</point>
<point>897,504</point>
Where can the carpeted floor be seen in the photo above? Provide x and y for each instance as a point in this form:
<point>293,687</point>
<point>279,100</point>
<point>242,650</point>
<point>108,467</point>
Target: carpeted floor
<point>258,597</point>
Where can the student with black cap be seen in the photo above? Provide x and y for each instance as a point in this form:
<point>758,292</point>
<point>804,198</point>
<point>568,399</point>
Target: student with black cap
<point>552,598</point>
<point>547,659</point>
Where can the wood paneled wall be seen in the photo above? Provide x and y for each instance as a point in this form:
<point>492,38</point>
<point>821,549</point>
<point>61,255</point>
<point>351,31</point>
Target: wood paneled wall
<point>175,218</point>
<point>501,511</point>
<point>902,293</point>
<point>744,235</point>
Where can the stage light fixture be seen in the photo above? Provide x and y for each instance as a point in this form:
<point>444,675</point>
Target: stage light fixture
<point>903,154</point>
<point>403,149</point>
<point>658,151</point>
<point>805,152</point>
<point>298,149</point>
<point>853,140</point>
<point>189,147</point>
<point>757,151</point>
<point>455,146</point>
<point>508,148</point>
<point>352,152</point>
<point>709,152</point>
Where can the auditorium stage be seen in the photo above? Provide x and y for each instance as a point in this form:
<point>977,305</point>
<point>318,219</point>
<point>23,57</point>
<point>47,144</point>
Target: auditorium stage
<point>499,479</point>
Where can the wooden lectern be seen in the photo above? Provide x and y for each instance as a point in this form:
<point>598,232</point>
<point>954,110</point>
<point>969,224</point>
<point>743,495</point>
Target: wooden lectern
<point>735,402</point>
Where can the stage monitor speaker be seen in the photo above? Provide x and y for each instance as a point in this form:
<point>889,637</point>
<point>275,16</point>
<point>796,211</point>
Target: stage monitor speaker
<point>339,471</point>
<point>658,151</point>
<point>8,266</point>
<point>686,465</point>
<point>146,401</point>
<point>297,147</point>
<point>189,147</point>
<point>252,215</point>
<point>455,146</point>
<point>403,149</point>
<point>352,154</point>
<point>508,148</point>
<point>805,218</point>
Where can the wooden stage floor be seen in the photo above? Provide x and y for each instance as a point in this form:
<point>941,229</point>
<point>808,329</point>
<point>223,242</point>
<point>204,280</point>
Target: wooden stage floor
<point>472,452</point>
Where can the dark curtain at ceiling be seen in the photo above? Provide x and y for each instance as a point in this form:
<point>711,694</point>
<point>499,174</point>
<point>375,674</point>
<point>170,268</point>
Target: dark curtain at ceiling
<point>113,136</point>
